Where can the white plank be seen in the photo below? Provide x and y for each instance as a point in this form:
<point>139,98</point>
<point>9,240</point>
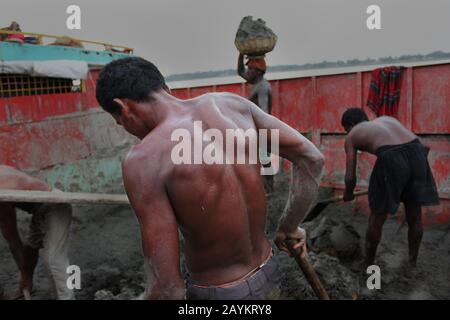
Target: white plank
<point>62,197</point>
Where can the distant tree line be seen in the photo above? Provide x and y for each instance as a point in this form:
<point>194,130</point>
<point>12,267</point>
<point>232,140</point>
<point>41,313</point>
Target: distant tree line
<point>437,55</point>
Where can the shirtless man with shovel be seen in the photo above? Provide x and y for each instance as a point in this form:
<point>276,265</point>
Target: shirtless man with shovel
<point>401,174</point>
<point>219,208</point>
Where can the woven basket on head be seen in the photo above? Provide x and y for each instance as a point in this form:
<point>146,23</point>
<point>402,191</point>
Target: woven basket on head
<point>256,46</point>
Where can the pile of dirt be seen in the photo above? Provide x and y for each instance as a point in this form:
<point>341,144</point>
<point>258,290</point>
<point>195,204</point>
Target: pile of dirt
<point>125,294</point>
<point>131,287</point>
<point>251,29</point>
<point>105,244</point>
<point>339,281</point>
<point>112,283</point>
<point>333,237</point>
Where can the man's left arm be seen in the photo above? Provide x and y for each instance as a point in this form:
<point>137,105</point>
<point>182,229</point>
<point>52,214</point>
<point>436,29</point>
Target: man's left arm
<point>307,168</point>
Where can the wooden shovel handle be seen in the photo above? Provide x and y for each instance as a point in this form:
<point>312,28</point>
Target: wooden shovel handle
<point>339,198</point>
<point>308,271</point>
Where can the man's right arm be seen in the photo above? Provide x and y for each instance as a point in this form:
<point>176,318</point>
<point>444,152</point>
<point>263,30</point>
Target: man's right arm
<point>307,163</point>
<point>159,231</point>
<point>17,180</point>
<point>350,171</point>
<point>241,67</point>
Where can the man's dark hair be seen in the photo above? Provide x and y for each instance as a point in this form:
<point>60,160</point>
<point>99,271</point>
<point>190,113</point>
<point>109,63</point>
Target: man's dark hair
<point>128,78</point>
<point>353,116</point>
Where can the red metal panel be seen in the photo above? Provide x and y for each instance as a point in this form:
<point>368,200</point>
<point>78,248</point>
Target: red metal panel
<point>403,103</point>
<point>93,76</point>
<point>295,98</point>
<point>332,147</point>
<point>276,97</point>
<point>23,109</point>
<point>180,93</point>
<point>90,101</point>
<point>8,146</point>
<point>3,112</point>
<point>366,78</point>
<point>431,110</point>
<point>439,159</point>
<point>37,108</point>
<point>334,95</point>
<point>40,145</point>
<point>195,92</point>
<point>235,88</point>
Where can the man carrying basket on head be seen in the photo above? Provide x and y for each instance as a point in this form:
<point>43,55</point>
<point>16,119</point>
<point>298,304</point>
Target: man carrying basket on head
<point>254,39</point>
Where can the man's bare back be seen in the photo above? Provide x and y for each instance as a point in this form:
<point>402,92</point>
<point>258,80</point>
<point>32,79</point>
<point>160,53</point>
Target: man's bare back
<point>370,135</point>
<point>219,208</point>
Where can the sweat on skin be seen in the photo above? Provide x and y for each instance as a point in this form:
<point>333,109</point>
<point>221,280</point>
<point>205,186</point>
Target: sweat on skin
<point>168,198</point>
<point>191,150</point>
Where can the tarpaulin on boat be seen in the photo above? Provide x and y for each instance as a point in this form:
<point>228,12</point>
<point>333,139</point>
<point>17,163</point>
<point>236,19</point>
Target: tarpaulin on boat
<point>67,69</point>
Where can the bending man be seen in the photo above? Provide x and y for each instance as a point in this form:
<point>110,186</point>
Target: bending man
<point>49,231</point>
<point>401,174</point>
<point>219,208</point>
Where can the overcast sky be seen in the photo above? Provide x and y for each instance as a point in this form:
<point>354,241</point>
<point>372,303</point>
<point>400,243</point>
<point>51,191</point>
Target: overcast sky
<point>198,35</point>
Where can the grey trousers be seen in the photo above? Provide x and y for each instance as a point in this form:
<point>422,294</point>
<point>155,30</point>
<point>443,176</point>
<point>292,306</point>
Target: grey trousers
<point>264,284</point>
<point>49,231</point>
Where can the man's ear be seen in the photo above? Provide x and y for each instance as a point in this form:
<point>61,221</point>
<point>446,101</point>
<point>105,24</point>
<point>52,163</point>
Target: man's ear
<point>123,105</point>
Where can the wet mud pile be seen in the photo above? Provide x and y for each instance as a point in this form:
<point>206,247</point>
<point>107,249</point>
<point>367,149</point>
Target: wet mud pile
<point>250,29</point>
<point>105,244</point>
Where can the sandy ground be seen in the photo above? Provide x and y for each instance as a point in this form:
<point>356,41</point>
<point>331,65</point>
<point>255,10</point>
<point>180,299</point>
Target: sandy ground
<point>105,244</point>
